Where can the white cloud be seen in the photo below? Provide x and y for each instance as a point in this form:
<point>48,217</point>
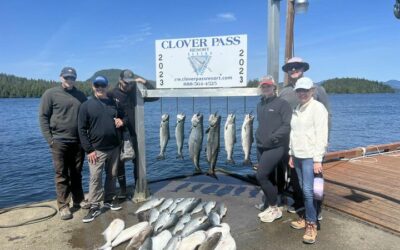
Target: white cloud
<point>225,17</point>
<point>143,31</point>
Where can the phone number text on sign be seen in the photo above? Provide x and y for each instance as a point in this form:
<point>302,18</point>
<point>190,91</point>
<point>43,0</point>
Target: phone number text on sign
<point>202,62</point>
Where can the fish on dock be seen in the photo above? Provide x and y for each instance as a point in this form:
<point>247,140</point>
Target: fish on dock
<point>196,140</point>
<point>129,232</point>
<point>164,136</point>
<point>179,133</point>
<point>230,137</point>
<point>138,239</point>
<point>112,231</point>
<point>247,137</point>
<point>213,141</point>
<point>154,202</point>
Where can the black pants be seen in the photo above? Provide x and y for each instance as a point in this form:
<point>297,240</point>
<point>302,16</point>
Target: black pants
<point>68,162</point>
<point>267,164</point>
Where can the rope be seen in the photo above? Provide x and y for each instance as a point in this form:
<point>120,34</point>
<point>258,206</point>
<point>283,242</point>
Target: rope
<point>32,221</point>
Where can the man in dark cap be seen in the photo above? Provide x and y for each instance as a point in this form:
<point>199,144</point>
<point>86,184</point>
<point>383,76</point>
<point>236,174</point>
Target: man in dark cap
<point>58,118</point>
<point>295,68</point>
<point>125,95</point>
<point>99,123</point>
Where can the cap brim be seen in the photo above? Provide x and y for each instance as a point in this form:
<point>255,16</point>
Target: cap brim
<point>67,74</point>
<point>289,66</point>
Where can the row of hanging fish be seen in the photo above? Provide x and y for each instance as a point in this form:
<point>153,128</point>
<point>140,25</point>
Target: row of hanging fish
<point>213,139</point>
<point>167,224</point>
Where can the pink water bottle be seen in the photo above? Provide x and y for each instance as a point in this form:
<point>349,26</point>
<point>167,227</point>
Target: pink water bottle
<point>318,187</point>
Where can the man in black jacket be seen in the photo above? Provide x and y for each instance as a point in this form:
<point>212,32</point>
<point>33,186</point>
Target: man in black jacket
<point>125,96</point>
<point>99,123</point>
<point>58,119</point>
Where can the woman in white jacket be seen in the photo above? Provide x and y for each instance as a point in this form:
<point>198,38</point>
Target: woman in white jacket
<point>308,143</point>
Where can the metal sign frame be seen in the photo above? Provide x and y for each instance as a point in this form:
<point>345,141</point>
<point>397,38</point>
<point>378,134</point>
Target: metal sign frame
<point>142,192</point>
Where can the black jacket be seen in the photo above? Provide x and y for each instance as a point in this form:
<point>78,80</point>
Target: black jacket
<point>127,102</point>
<point>96,124</point>
<point>273,115</point>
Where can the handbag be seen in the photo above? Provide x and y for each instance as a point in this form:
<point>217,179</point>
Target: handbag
<point>127,151</point>
<point>318,187</point>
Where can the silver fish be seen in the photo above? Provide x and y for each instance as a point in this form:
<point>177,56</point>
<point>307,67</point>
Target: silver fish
<point>221,209</point>
<point>147,244</point>
<point>164,136</point>
<point>209,206</point>
<point>199,207</point>
<point>166,204</point>
<point>200,223</point>
<point>129,232</point>
<point>165,221</point>
<point>173,243</point>
<point>247,137</point>
<point>183,204</point>
<point>213,141</point>
<point>214,218</point>
<point>112,231</point>
<point>138,239</point>
<point>179,133</point>
<point>174,204</point>
<point>181,223</point>
<point>150,204</point>
<point>227,242</point>
<point>211,242</point>
<point>154,213</point>
<point>161,240</point>
<point>191,241</point>
<point>196,140</point>
<point>230,137</point>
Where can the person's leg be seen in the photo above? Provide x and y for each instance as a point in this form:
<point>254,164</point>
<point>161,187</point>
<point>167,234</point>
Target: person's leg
<point>121,179</point>
<point>297,192</point>
<point>308,190</point>
<point>96,179</point>
<point>111,170</point>
<point>61,177</point>
<point>75,163</point>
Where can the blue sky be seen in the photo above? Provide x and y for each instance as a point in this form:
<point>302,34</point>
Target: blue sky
<point>339,38</point>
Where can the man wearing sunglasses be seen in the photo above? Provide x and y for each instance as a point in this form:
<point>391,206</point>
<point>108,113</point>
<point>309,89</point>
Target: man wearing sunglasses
<point>58,118</point>
<point>125,95</point>
<point>295,68</point>
<point>99,123</point>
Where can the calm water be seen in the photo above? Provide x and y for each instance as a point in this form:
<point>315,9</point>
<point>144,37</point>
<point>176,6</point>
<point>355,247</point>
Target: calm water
<point>26,171</point>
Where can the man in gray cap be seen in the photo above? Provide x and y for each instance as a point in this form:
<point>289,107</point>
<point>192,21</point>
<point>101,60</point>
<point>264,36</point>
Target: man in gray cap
<point>58,118</point>
<point>125,95</point>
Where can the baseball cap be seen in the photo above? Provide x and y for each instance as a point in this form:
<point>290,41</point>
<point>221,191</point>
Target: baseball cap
<point>127,75</point>
<point>266,80</point>
<point>304,83</point>
<point>68,71</point>
<point>100,81</point>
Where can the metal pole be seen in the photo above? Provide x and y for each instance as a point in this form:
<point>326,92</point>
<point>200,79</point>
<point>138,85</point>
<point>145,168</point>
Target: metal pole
<point>273,39</point>
<point>289,34</point>
<point>141,190</point>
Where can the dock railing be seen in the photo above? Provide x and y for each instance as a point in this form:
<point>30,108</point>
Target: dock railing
<point>141,188</point>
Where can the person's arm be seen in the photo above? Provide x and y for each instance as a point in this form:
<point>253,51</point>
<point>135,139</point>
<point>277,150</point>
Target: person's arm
<point>83,128</point>
<point>320,117</point>
<point>148,85</point>
<point>283,130</point>
<point>45,113</point>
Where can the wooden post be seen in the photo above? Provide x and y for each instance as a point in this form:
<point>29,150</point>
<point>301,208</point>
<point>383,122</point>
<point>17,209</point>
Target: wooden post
<point>289,35</point>
<point>141,189</point>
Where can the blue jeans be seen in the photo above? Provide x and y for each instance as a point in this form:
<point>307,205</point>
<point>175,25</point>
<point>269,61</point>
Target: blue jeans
<point>305,173</point>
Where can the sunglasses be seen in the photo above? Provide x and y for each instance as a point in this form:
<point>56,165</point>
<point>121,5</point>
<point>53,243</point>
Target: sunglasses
<point>302,90</point>
<point>69,78</point>
<point>296,66</point>
<point>100,85</point>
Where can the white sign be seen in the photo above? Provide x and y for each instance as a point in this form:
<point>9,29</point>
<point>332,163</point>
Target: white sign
<point>202,62</point>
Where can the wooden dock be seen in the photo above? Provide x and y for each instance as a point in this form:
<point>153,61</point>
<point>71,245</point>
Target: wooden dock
<point>365,183</point>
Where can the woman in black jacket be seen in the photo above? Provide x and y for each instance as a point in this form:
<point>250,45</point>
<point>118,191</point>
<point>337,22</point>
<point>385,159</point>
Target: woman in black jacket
<point>272,137</point>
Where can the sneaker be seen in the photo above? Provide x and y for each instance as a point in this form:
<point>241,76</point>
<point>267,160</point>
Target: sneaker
<point>83,204</point>
<point>298,224</point>
<point>319,217</point>
<point>311,233</point>
<point>65,213</point>
<point>294,210</point>
<point>93,213</point>
<point>275,214</point>
<point>113,205</point>
<point>266,211</point>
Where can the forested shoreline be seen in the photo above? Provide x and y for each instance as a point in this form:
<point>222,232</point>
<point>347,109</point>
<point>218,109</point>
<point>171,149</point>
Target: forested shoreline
<point>19,87</point>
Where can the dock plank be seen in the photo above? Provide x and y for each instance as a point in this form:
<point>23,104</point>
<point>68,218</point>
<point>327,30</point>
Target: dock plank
<point>367,188</point>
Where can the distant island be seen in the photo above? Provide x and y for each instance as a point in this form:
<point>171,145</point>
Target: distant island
<point>19,87</point>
